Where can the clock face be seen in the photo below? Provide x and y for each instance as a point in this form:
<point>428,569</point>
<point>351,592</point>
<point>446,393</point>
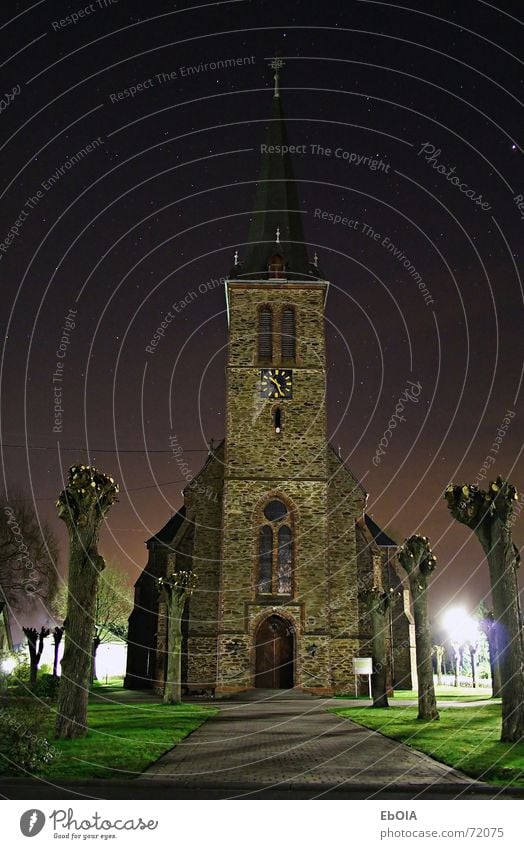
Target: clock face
<point>276,383</point>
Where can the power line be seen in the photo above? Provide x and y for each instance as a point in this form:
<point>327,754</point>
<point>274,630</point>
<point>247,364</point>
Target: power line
<point>103,450</point>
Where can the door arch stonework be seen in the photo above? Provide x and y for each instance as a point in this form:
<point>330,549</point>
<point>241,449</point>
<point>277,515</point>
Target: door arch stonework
<point>274,653</point>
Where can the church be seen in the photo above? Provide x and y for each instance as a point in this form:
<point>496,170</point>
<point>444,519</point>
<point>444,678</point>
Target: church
<point>274,525</point>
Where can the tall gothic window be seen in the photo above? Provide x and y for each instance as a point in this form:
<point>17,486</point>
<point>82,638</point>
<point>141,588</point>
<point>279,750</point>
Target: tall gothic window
<point>275,553</point>
<point>288,333</point>
<point>265,333</point>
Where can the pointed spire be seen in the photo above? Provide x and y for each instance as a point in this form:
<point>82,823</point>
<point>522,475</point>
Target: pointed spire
<point>276,63</point>
<point>276,231</point>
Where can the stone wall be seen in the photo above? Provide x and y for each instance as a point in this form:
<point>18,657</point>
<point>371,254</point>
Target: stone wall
<point>346,501</point>
<point>203,499</point>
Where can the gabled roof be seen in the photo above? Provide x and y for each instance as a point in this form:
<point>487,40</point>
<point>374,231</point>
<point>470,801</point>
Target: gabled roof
<point>167,534</point>
<point>380,537</point>
<point>345,466</point>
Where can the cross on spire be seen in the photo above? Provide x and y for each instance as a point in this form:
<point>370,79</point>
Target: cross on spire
<point>276,64</point>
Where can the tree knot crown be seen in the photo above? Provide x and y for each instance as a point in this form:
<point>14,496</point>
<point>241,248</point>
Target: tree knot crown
<point>88,492</point>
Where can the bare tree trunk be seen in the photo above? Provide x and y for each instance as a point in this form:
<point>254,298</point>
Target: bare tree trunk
<point>490,631</point>
<point>58,633</point>
<point>176,589</point>
<point>502,565</point>
<point>96,645</point>
<point>35,643</point>
<point>378,603</point>
<point>73,693</point>
<point>456,651</point>
<point>473,659</point>
<point>173,686</point>
<point>439,656</point>
<point>417,559</point>
<point>427,703</point>
<point>82,505</point>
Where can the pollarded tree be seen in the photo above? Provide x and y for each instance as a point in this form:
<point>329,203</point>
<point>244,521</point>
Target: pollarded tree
<point>58,633</point>
<point>175,590</point>
<point>35,644</point>
<point>417,559</point>
<point>378,603</point>
<point>82,505</point>
<point>489,515</point>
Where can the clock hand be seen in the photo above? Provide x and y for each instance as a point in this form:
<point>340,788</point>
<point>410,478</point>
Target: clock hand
<point>277,384</point>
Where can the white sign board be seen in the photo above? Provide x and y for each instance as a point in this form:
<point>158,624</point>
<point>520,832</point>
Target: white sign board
<point>363,665</point>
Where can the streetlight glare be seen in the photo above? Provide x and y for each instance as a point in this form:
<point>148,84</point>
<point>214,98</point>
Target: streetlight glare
<point>461,627</point>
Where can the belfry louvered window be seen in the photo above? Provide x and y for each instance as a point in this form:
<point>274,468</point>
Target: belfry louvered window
<point>265,333</point>
<point>288,333</point>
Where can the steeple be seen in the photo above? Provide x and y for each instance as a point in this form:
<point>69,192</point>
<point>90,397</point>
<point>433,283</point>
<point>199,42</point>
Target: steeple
<point>276,238</point>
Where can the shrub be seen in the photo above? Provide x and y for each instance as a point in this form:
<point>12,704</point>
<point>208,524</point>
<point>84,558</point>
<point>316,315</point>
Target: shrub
<point>46,686</point>
<point>24,747</point>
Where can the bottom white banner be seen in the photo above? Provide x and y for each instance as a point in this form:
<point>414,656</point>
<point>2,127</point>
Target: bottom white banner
<point>237,823</point>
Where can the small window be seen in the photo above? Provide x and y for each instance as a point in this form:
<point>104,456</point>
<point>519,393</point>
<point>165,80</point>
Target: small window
<point>276,266</point>
<point>265,333</point>
<point>275,511</point>
<point>288,334</point>
<point>277,420</point>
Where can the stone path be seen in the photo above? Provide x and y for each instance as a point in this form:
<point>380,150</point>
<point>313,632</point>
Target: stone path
<point>296,744</point>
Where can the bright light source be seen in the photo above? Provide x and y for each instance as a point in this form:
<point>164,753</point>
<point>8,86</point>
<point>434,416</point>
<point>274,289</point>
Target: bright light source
<point>8,665</point>
<point>461,627</point>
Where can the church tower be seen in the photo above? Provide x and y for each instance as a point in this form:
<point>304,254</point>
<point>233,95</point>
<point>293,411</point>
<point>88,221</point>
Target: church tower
<point>274,542</point>
<point>273,525</point>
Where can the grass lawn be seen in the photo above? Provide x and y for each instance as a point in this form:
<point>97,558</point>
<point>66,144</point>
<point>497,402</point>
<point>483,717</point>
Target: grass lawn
<point>465,738</point>
<point>123,739</point>
<point>444,694</point>
<point>448,694</point>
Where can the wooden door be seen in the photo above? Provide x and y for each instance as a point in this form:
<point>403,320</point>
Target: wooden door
<point>274,654</point>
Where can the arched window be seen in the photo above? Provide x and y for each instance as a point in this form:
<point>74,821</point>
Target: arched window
<point>265,333</point>
<point>276,266</point>
<point>288,338</point>
<point>275,556</point>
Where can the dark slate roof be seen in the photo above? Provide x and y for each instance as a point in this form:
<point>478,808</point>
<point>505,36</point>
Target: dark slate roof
<point>276,206</point>
<point>167,534</point>
<point>378,534</point>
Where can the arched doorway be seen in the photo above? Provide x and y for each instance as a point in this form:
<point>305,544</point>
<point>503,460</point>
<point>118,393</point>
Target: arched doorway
<point>274,654</point>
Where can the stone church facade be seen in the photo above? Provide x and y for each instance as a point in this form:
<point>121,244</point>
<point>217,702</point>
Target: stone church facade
<point>274,525</point>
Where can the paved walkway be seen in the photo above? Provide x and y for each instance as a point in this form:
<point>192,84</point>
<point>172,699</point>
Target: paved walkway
<point>296,744</point>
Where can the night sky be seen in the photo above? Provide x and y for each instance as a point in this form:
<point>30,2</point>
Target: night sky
<point>119,203</point>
